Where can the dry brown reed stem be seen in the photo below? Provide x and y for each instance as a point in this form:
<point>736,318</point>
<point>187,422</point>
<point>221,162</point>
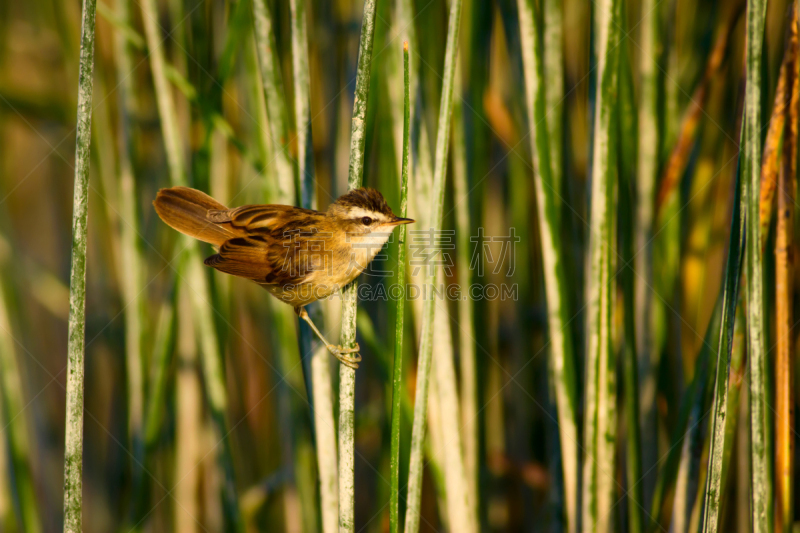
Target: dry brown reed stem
<point>691,120</point>
<point>769,165</point>
<point>784,358</point>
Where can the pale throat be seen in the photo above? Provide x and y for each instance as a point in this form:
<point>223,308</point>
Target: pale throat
<point>365,247</point>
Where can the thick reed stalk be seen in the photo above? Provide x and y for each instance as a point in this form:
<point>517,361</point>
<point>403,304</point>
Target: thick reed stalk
<point>196,280</point>
<point>600,407</point>
<point>436,214</point>
<point>784,292</point>
<point>73,445</point>
<point>761,496</point>
<point>547,194</point>
<point>397,369</point>
<point>347,375</point>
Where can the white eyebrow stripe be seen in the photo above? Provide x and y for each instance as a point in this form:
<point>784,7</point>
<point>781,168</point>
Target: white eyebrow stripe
<point>359,212</point>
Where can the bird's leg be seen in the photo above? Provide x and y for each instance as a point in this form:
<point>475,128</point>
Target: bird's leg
<point>337,351</point>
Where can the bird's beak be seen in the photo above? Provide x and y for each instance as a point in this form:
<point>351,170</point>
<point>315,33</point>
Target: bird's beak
<point>397,221</point>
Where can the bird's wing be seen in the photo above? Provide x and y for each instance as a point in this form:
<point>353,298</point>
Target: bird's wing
<point>272,248</point>
<point>252,258</point>
<point>259,219</point>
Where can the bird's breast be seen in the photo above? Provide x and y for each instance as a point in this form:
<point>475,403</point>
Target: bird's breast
<point>353,257</point>
<point>334,267</point>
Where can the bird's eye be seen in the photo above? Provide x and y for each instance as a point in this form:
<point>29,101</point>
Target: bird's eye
<point>366,221</point>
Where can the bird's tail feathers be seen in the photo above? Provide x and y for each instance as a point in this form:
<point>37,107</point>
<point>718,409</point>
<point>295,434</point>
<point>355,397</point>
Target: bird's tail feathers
<point>186,210</point>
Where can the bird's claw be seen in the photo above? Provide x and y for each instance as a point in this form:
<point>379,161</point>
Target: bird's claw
<point>354,349</point>
<point>341,354</point>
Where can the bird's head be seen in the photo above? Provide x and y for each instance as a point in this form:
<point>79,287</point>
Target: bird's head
<point>364,211</point>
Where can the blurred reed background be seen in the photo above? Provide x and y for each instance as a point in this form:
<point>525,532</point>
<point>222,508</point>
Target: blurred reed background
<point>642,379</point>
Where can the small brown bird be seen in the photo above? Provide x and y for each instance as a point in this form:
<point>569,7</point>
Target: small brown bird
<point>298,255</point>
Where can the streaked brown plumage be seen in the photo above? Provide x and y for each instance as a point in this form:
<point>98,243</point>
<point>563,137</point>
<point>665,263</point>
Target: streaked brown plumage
<point>298,255</point>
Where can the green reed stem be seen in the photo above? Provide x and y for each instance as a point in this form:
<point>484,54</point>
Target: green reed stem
<point>131,265</point>
<point>397,370</point>
<point>600,408</point>
<point>12,418</point>
<point>321,393</point>
<point>263,140</point>
<point>649,136</point>
<point>553,52</point>
<point>122,24</point>
<point>691,442</point>
<point>445,405</point>
<point>195,281</point>
<point>302,107</point>
<point>436,463</point>
<point>237,34</point>
<point>347,375</point>
<point>466,307</point>
<point>547,196</point>
<point>690,409</point>
<point>325,431</point>
<point>166,107</point>
<point>628,133</point>
<point>163,353</point>
<point>761,494</point>
<point>735,380</point>
<point>721,404</point>
<point>269,64</point>
<point>73,445</point>
<point>436,209</point>
<point>405,22</point>
<point>214,375</point>
<point>445,420</point>
<point>297,445</point>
